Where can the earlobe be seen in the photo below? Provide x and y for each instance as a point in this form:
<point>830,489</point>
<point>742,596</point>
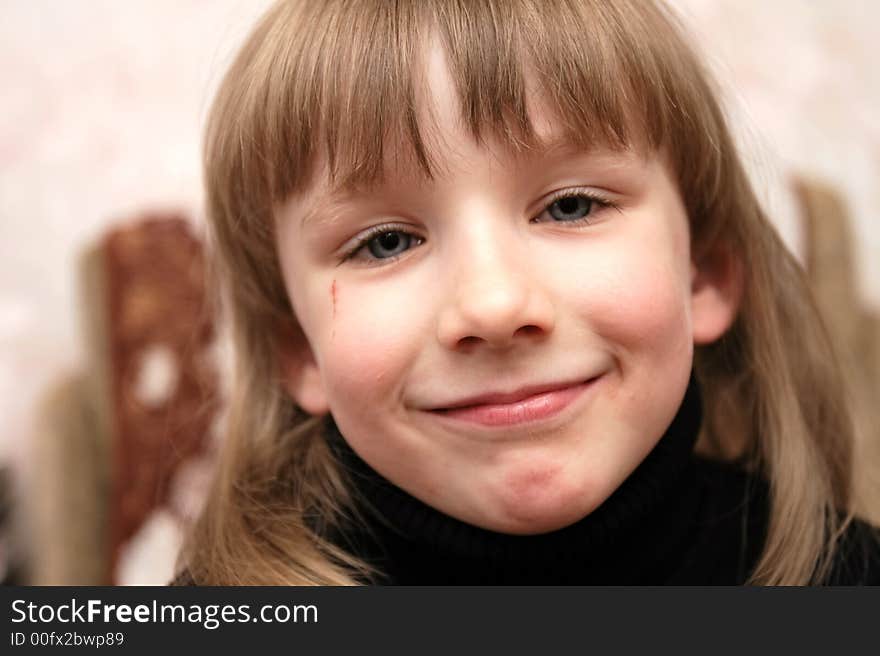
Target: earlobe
<point>301,377</point>
<point>717,285</point>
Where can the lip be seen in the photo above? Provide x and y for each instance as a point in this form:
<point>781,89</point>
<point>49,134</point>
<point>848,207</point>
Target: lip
<point>523,406</point>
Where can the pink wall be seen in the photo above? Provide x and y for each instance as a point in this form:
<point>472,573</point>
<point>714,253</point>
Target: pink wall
<point>103,105</point>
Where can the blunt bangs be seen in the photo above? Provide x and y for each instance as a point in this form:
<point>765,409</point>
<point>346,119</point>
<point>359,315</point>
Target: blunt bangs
<point>342,81</point>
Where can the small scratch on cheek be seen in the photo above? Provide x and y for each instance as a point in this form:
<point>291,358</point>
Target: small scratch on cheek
<point>333,298</point>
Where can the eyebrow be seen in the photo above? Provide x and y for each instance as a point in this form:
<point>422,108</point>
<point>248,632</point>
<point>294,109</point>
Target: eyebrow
<point>325,211</point>
<point>564,145</point>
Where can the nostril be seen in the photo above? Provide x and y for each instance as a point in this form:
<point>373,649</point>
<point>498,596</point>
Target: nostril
<point>499,341</point>
<point>529,330</point>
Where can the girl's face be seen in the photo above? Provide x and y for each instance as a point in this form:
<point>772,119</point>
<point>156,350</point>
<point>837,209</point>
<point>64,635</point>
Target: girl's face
<point>506,342</point>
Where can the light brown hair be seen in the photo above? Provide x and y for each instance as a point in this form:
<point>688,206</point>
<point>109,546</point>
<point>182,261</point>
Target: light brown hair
<point>340,80</point>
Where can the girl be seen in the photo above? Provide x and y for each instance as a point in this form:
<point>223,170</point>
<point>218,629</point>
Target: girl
<point>506,310</point>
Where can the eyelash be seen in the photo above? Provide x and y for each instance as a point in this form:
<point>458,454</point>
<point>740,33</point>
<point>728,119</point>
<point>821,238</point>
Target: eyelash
<point>594,197</point>
<point>602,201</point>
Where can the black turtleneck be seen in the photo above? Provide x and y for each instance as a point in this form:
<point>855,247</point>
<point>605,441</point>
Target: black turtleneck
<point>676,519</point>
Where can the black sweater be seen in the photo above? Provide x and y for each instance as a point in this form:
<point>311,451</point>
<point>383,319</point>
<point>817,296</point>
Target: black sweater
<point>678,519</point>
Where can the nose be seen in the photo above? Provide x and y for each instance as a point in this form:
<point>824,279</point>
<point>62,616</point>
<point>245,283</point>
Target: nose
<point>494,298</point>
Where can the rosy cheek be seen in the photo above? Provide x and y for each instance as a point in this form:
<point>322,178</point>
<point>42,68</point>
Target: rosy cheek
<point>637,306</point>
<point>371,350</point>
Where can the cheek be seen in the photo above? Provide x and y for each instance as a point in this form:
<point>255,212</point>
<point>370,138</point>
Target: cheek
<point>638,303</point>
<point>369,347</point>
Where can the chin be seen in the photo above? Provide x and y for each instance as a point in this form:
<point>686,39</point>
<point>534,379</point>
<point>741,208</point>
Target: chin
<point>541,504</point>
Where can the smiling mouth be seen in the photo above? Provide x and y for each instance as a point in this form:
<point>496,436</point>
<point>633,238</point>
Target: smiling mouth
<point>520,409</point>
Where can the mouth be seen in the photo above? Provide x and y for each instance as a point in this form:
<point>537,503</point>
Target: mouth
<point>526,405</point>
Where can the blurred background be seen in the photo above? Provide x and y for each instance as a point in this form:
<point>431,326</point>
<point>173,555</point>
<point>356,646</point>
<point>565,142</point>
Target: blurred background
<point>101,118</point>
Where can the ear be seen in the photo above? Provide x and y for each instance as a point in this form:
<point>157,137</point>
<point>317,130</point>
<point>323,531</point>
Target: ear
<point>301,377</point>
<point>717,285</point>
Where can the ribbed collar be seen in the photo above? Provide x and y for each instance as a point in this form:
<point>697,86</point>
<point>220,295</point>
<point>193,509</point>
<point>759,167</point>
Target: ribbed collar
<point>633,536</point>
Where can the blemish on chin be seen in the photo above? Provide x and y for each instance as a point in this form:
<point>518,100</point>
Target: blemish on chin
<point>537,496</point>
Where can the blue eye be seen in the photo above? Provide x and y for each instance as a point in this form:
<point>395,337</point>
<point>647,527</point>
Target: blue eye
<point>389,244</point>
<point>385,243</point>
<point>382,244</point>
<point>574,207</point>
